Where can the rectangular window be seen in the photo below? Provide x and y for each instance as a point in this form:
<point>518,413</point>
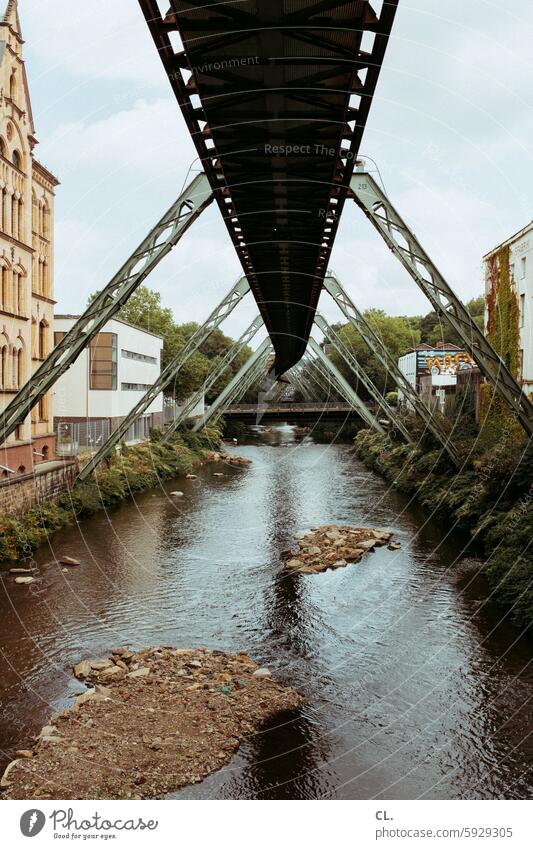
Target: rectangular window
<point>103,361</point>
<point>58,336</point>
<point>135,387</point>
<point>142,358</point>
<point>522,310</point>
<point>523,267</point>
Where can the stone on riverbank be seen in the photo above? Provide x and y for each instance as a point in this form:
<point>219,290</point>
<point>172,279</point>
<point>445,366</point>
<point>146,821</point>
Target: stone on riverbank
<point>24,580</point>
<point>169,719</point>
<point>334,547</point>
<point>69,561</point>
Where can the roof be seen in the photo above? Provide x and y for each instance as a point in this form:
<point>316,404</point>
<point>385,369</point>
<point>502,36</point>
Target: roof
<point>45,172</point>
<point>270,92</point>
<point>70,317</point>
<point>514,238</point>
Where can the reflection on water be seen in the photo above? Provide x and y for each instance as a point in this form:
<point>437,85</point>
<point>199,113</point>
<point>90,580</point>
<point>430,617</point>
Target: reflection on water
<point>414,685</point>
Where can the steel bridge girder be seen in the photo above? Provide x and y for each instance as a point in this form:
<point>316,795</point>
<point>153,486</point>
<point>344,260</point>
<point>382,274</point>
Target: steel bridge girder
<point>162,238</point>
<point>392,228</point>
<point>169,373</point>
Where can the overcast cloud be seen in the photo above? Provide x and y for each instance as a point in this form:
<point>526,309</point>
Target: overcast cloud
<point>450,128</point>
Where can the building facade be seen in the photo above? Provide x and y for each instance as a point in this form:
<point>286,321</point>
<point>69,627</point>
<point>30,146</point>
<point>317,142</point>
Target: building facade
<point>26,256</point>
<point>521,275</point>
<point>433,372</point>
<point>107,380</point>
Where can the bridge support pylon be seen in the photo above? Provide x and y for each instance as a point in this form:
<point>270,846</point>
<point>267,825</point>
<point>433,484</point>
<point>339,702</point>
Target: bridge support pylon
<point>169,373</point>
<point>344,387</point>
<point>252,369</point>
<point>331,336</point>
<point>213,376</point>
<point>406,247</point>
<point>159,242</point>
<point>376,346</point>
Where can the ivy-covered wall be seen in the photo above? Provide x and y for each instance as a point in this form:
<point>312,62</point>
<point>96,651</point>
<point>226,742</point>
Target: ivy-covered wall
<point>503,332</point>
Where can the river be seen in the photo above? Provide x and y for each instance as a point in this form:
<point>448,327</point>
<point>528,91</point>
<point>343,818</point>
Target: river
<point>416,685</point>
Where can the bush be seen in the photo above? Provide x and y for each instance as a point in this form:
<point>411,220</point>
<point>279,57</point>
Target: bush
<point>490,498</point>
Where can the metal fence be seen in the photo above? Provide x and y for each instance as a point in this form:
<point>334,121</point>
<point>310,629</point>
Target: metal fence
<point>73,437</point>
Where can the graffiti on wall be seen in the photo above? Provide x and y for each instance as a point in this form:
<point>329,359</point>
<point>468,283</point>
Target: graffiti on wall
<point>444,362</point>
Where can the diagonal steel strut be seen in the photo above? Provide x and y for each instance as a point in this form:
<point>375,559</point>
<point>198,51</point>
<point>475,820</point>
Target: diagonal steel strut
<point>335,340</point>
<point>344,387</point>
<point>374,343</point>
<point>171,371</point>
<point>299,378</point>
<point>406,247</point>
<point>214,375</point>
<point>240,383</point>
<point>159,242</point>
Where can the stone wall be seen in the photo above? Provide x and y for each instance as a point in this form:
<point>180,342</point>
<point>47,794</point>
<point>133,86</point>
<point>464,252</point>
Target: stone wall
<point>47,484</point>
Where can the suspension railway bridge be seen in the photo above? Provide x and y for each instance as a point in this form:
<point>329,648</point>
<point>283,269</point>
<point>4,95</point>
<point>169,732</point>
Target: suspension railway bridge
<point>276,95</point>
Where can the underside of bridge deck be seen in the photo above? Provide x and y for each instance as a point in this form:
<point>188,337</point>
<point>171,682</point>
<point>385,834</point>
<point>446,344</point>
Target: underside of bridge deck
<point>276,94</point>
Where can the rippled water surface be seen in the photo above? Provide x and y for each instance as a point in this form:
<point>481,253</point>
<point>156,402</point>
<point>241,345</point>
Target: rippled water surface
<point>415,686</point>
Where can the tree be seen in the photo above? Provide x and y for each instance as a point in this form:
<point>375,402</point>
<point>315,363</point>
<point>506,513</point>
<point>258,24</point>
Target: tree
<point>397,335</point>
<point>433,330</point>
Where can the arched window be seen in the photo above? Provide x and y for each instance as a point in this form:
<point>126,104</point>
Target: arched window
<point>21,470</point>
<point>46,452</point>
<point>3,211</point>
<point>17,160</point>
<point>46,220</point>
<point>18,292</point>
<point>43,409</point>
<point>34,213</point>
<point>42,339</point>
<point>13,86</point>
<point>3,148</point>
<point>3,368</point>
<point>14,216</point>
<point>20,368</point>
<point>4,287</point>
<point>20,220</point>
<point>33,337</point>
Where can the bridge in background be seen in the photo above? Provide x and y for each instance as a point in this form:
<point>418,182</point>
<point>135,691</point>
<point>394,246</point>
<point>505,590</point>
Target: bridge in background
<point>289,411</point>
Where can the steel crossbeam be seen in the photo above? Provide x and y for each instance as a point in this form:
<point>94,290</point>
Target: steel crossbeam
<point>238,385</point>
<point>406,247</point>
<point>214,375</point>
<point>169,373</point>
<point>376,346</point>
<point>159,242</point>
<point>344,387</point>
<point>298,384</point>
<point>335,340</point>
<point>305,381</point>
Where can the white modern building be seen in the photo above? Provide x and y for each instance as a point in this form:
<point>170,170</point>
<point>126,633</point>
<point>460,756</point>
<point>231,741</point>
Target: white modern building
<point>521,271</point>
<point>107,380</point>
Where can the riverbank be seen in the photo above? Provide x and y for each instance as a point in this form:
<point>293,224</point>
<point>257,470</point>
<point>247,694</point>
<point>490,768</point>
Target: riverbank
<point>136,469</point>
<point>148,723</point>
<point>490,498</point>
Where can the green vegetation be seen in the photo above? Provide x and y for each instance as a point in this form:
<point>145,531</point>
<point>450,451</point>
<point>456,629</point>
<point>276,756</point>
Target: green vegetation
<point>139,468</point>
<point>490,498</point>
<point>399,334</point>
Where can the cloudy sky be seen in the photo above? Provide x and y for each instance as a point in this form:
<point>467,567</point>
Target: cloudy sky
<point>450,128</point>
